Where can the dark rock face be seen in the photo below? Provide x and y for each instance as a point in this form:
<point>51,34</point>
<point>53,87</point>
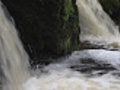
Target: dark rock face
<point>46,27</point>
<point>112,7</point>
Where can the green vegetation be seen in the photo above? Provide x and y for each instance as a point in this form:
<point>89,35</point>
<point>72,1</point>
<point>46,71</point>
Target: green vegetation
<point>68,9</point>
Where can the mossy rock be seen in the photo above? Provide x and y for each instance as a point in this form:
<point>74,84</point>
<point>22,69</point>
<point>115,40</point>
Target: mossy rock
<point>46,27</point>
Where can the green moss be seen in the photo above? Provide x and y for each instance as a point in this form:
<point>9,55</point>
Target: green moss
<point>68,9</point>
<point>67,43</point>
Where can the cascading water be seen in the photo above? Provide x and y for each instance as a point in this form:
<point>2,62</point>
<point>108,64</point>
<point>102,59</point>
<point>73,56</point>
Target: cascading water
<point>83,70</point>
<point>13,59</point>
<point>87,69</point>
<point>96,25</point>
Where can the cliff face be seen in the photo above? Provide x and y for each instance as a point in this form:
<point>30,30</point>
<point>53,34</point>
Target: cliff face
<point>46,27</point>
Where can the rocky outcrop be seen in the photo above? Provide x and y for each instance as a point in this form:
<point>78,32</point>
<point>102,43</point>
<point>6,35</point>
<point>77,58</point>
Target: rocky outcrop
<point>112,7</point>
<point>46,27</point>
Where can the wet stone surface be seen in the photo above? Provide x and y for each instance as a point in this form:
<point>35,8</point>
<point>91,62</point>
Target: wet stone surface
<point>92,68</point>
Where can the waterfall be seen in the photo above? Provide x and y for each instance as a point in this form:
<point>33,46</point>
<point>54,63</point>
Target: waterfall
<point>82,70</point>
<point>96,26</point>
<point>86,69</point>
<point>13,58</point>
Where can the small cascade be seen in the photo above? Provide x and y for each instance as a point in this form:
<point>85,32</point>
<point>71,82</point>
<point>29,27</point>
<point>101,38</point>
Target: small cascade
<point>96,25</point>
<point>13,58</point>
<point>82,70</point>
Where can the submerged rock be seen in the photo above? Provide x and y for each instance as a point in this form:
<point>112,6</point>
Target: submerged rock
<point>46,27</point>
<point>92,67</point>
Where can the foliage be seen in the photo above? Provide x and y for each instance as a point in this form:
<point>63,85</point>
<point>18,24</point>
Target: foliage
<point>68,9</point>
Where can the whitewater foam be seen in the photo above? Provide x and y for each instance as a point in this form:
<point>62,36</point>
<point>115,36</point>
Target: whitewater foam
<point>95,24</point>
<point>60,76</point>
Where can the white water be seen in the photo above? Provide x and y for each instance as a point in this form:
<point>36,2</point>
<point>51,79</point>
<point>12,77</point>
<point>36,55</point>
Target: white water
<point>96,25</point>
<point>13,59</point>
<point>59,76</point>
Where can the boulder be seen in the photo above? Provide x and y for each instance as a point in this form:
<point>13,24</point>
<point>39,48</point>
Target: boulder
<point>48,28</point>
<point>112,7</point>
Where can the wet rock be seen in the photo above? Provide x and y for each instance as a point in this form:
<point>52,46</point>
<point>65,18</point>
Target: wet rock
<point>48,28</point>
<point>112,7</point>
<point>91,67</point>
